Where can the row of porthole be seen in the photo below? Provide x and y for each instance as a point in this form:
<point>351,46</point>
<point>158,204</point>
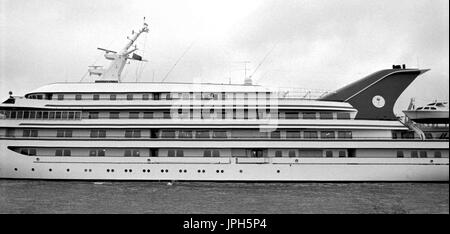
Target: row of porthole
<point>148,170</point>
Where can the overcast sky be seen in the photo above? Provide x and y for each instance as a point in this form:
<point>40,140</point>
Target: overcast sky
<point>313,44</point>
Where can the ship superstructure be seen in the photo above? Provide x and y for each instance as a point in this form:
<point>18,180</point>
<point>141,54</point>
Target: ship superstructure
<point>113,130</point>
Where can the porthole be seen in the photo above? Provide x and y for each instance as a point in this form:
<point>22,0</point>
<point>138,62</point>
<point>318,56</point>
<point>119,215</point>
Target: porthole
<point>112,170</point>
<point>221,171</point>
<point>278,171</point>
<point>148,170</point>
<point>162,171</point>
<point>143,170</point>
<point>126,170</point>
<point>198,171</point>
<point>185,171</point>
<point>85,170</point>
<point>37,159</point>
<point>15,169</point>
<point>90,170</point>
<point>203,171</point>
<point>107,170</point>
<point>167,170</point>
<point>130,170</point>
<point>32,169</point>
<point>296,160</point>
<point>180,170</point>
<point>67,169</point>
<point>217,171</point>
<point>240,171</point>
<point>50,169</point>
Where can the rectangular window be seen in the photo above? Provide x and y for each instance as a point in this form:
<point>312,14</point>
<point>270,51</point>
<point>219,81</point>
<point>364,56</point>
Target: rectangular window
<point>66,152</point>
<point>414,154</point>
<point>291,153</point>
<point>326,115</point>
<point>130,97</point>
<point>341,154</point>
<point>309,115</point>
<point>400,154</point>
<point>292,134</point>
<point>78,97</point>
<point>93,115</point>
<point>95,97</point>
<point>278,153</point>
<point>343,115</point>
<point>166,115</point>
<point>216,153</point>
<point>185,134</point>
<point>98,133</point>
<point>145,96</point>
<point>180,153</point>
<point>345,134</point>
<point>171,153</point>
<point>60,96</point>
<point>127,153</point>
<point>32,152</point>
<point>310,134</point>
<point>207,153</point>
<point>58,115</point>
<point>136,153</point>
<point>58,152</point>
<point>112,97</point>
<point>134,115</point>
<point>114,115</point>
<point>329,154</point>
<point>219,134</point>
<point>275,134</point>
<point>423,154</point>
<point>156,96</point>
<point>437,154</point>
<point>92,153</point>
<point>291,115</point>
<point>327,134</point>
<point>26,133</point>
<point>202,134</point>
<point>101,152</point>
<point>148,115</point>
<point>167,134</point>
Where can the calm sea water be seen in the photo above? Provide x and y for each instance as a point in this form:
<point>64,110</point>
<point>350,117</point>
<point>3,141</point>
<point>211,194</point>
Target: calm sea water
<point>30,196</point>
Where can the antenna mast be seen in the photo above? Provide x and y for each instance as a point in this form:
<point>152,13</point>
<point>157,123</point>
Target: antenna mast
<point>119,59</point>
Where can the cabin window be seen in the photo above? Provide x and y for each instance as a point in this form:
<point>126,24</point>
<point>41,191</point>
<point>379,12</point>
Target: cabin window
<point>185,134</point>
<point>343,115</point>
<point>99,152</point>
<point>202,134</point>
<point>309,115</point>
<point>327,134</point>
<point>291,153</point>
<point>93,115</point>
<point>98,133</point>
<point>129,96</point>
<point>180,153</point>
<point>341,154</point>
<point>278,154</point>
<point>136,153</point>
<point>291,115</point>
<point>112,97</point>
<point>58,152</point>
<point>60,96</point>
<point>127,153</point>
<point>329,154</point>
<point>310,134</point>
<point>345,134</point>
<point>437,154</point>
<point>246,114</point>
<point>156,96</point>
<point>30,133</point>
<point>166,115</point>
<point>64,133</point>
<point>326,115</point>
<point>92,153</point>
<point>78,97</point>
<point>400,154</point>
<point>275,134</point>
<point>32,152</point>
<point>154,152</point>
<point>423,154</point>
<point>134,115</point>
<point>216,153</point>
<point>132,133</point>
<point>292,134</point>
<point>148,115</point>
<point>414,154</point>
<point>171,153</point>
<point>167,134</point>
<point>95,97</point>
<point>219,134</point>
<point>207,153</point>
<point>113,115</point>
<point>145,96</point>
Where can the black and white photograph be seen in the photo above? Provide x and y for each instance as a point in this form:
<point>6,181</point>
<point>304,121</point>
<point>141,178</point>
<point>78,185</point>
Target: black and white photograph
<point>245,107</point>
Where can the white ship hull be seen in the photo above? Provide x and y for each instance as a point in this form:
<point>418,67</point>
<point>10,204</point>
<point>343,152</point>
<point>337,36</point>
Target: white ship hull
<point>17,166</point>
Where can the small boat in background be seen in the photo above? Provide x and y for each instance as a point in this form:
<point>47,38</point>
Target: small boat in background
<point>435,112</point>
